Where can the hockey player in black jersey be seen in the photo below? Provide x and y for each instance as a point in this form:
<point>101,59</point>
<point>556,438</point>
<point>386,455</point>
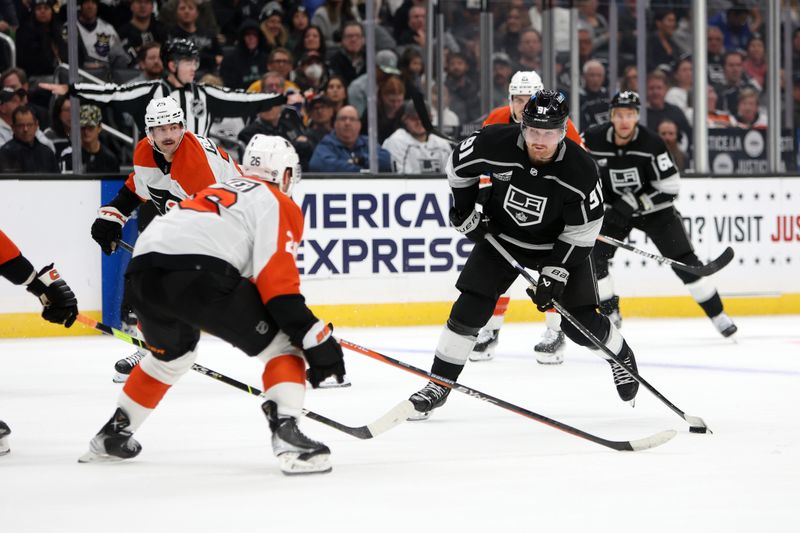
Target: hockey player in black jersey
<point>640,183</point>
<point>546,208</point>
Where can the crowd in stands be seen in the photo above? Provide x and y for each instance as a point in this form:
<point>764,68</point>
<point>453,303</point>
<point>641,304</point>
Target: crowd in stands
<point>313,53</point>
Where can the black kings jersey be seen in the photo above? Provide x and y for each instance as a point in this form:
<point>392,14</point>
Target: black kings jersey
<point>643,167</point>
<point>555,208</point>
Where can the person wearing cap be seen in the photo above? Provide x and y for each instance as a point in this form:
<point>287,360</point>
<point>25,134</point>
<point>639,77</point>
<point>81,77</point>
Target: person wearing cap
<point>39,40</point>
<point>17,79</point>
<point>345,149</point>
<point>96,157</point>
<point>247,62</point>
<point>320,112</point>
<point>24,152</point>
<point>298,22</point>
<point>386,61</point>
<point>271,23</point>
<point>142,28</point>
<point>413,149</point>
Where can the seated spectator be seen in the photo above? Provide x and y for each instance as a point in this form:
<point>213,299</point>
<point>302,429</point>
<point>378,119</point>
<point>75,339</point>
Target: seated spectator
<point>658,109</point>
<point>96,158</point>
<point>336,92</point>
<point>506,36</point>
<point>678,94</point>
<point>280,60</point>
<point>298,22</point>
<point>391,94</point>
<point>99,40</point>
<point>748,115</point>
<point>349,61</point>
<point>529,51</point>
<point>312,43</point>
<point>247,62</point>
<point>149,62</point>
<point>630,79</point>
<point>735,81</point>
<point>593,95</point>
<point>735,25</point>
<point>414,31</point>
<point>716,118</point>
<point>412,66</point>
<point>345,149</point>
<point>662,52</point>
<point>414,150</point>
<point>10,100</point>
<point>321,113</point>
<point>357,91</point>
<point>586,52</point>
<point>15,78</point>
<point>451,123</point>
<point>668,131</point>
<point>330,16</point>
<point>464,92</point>
<point>716,55</point>
<point>755,64</point>
<point>283,121</point>
<point>24,152</point>
<point>187,27</point>
<point>271,19</point>
<point>60,123</point>
<point>501,76</point>
<point>39,41</point>
<point>311,73</point>
<point>589,17</point>
<point>142,28</point>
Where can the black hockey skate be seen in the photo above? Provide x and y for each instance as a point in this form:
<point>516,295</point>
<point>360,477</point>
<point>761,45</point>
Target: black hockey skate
<point>550,350</point>
<point>114,442</point>
<point>610,308</point>
<point>297,453</point>
<point>724,325</point>
<point>627,387</point>
<point>427,399</point>
<point>5,431</point>
<point>125,366</point>
<point>485,345</point>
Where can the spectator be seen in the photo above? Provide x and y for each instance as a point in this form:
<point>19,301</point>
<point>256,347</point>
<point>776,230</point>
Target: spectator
<point>246,62</point>
<point>39,41</point>
<point>414,32</point>
<point>450,122</point>
<point>716,54</point>
<point>336,92</point>
<point>10,100</point>
<point>271,19</point>
<point>508,34</point>
<point>142,28</point>
<point>321,113</point>
<point>662,52</point>
<point>9,22</point>
<point>659,109</point>
<point>186,27</point>
<point>735,81</point>
<point>311,43</point>
<point>414,150</point>
<point>15,78</point>
<point>283,121</point>
<point>24,152</point>
<point>357,91</point>
<point>588,15</point>
<point>391,94</point>
<point>678,94</point>
<point>299,21</point>
<point>501,76</point>
<point>735,24</point>
<point>748,115</point>
<point>96,157</point>
<point>529,56</point>
<point>586,53</point>
<point>99,40</point>
<point>668,131</point>
<point>411,66</point>
<point>60,125</point>
<point>716,118</point>
<point>464,92</point>
<point>149,63</point>
<point>329,18</point>
<point>345,149</point>
<point>561,28</point>
<point>280,60</point>
<point>349,61</point>
<point>630,79</point>
<point>593,95</point>
<point>755,64</point>
<point>311,73</point>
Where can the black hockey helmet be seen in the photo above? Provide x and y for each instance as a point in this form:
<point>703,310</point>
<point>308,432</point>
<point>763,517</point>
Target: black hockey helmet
<point>181,48</point>
<point>546,110</point>
<point>628,99</point>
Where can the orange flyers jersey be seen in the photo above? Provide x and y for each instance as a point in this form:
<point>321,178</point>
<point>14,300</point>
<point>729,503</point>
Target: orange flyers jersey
<point>8,250</point>
<point>246,222</point>
<point>198,163</point>
<point>502,115</point>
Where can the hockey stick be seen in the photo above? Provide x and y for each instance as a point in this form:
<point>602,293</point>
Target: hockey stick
<point>703,270</point>
<point>696,424</point>
<point>626,445</point>
<point>395,416</point>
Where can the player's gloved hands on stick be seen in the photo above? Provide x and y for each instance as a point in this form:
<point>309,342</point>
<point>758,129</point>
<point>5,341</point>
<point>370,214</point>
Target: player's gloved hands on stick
<point>472,225</point>
<point>323,353</point>
<point>621,211</point>
<point>60,304</point>
<point>107,228</point>
<point>552,281</point>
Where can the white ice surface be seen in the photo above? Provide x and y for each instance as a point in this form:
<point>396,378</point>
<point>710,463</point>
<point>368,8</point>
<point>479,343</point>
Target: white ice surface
<point>207,465</point>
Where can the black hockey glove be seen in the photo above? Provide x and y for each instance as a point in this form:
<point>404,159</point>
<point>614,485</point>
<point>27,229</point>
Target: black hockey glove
<point>552,281</point>
<point>107,228</point>
<point>60,304</point>
<point>323,353</point>
<point>472,225</point>
<point>619,215</point>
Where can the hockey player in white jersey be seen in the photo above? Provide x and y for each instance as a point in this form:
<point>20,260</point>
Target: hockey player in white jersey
<point>224,262</point>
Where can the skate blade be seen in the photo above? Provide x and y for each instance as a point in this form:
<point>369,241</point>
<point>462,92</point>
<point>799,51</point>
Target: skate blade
<point>548,359</point>
<point>292,465</point>
<point>92,457</point>
<point>120,377</point>
<point>632,402</point>
<point>478,357</point>
<point>418,416</point>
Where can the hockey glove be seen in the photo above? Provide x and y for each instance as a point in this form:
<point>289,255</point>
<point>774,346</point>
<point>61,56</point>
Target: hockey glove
<point>472,225</point>
<point>323,353</point>
<point>107,228</point>
<point>552,282</point>
<point>60,304</point>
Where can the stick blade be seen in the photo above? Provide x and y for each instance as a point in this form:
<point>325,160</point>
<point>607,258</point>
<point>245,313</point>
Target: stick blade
<point>397,415</point>
<point>653,440</point>
<point>697,424</point>
<point>717,264</point>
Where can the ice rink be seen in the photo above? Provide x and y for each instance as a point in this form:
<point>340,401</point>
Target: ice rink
<point>207,465</point>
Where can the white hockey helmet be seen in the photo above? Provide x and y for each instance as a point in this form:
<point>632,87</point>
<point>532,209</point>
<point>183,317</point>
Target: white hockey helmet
<point>523,83</point>
<point>272,159</point>
<point>162,111</point>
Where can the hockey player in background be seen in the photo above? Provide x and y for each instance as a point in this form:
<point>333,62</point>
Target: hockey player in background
<point>59,303</point>
<point>170,164</point>
<point>186,276</point>
<point>546,208</point>
<point>640,183</point>
<point>550,349</point>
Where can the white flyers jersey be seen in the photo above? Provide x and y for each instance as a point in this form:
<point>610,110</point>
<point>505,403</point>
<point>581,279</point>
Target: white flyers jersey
<point>245,222</point>
<point>198,163</point>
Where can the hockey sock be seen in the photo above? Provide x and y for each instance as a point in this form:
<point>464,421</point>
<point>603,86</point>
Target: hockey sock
<point>605,288</point>
<point>453,350</point>
<point>499,313</point>
<point>552,320</point>
<point>284,380</point>
<point>706,296</point>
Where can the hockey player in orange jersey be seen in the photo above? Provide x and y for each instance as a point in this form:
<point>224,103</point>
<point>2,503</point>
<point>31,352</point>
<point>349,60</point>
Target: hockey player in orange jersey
<point>224,262</point>
<point>169,165</point>
<point>59,303</point>
<point>550,350</point>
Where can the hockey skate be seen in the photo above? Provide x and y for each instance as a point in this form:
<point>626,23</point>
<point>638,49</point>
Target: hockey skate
<point>331,383</point>
<point>485,345</point>
<point>113,443</point>
<point>550,350</point>
<point>427,399</point>
<point>297,453</point>
<point>125,366</point>
<point>627,387</point>
<point>5,431</point>
<point>724,325</point>
<point>610,308</point>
